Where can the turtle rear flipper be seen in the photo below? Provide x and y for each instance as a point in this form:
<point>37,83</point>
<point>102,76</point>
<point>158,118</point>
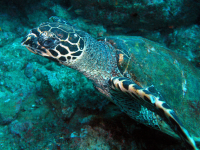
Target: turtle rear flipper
<point>125,93</point>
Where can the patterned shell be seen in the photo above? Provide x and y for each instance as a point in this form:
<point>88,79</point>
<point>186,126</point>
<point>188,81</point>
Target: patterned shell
<point>148,63</point>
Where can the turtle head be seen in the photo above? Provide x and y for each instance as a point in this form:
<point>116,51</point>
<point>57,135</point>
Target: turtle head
<point>57,41</point>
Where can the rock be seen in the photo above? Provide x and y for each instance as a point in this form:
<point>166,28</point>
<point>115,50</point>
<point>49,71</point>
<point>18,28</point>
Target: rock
<point>8,115</point>
<point>19,128</point>
<point>29,70</point>
<point>186,41</point>
<point>125,16</point>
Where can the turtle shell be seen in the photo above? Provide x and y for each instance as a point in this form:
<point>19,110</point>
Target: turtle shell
<point>174,77</point>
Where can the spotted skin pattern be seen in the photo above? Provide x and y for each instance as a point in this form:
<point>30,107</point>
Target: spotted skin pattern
<point>153,103</point>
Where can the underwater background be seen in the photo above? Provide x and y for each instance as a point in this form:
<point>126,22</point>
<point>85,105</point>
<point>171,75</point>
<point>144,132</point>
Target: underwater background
<point>48,106</point>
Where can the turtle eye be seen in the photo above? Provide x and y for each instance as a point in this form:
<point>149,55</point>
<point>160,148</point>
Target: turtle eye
<point>50,42</point>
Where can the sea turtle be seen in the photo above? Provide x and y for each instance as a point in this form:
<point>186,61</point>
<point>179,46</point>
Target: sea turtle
<point>125,69</point>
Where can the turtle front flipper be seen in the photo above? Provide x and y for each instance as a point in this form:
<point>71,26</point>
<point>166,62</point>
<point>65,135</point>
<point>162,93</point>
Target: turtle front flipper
<point>125,92</point>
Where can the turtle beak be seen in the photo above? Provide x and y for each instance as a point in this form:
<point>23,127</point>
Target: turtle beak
<point>30,42</point>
